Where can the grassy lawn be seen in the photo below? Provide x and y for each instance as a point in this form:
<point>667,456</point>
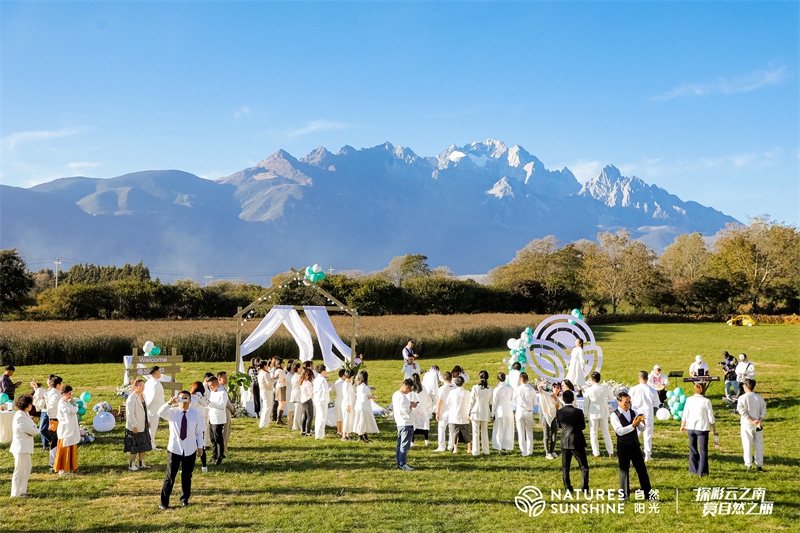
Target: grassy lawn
<point>275,480</point>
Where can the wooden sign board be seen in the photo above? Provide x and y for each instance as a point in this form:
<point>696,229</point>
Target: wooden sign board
<point>170,365</point>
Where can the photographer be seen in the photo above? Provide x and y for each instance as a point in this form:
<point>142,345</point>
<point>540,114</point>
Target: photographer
<point>729,368</point>
<point>744,370</point>
<point>185,442</point>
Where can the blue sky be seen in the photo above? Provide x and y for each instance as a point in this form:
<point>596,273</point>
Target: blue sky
<point>698,98</point>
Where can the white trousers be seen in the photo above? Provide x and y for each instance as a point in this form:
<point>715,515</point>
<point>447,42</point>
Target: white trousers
<point>153,418</point>
<point>348,420</point>
<point>749,440</point>
<point>267,401</point>
<point>649,425</point>
<point>320,419</point>
<point>22,472</point>
<point>480,436</point>
<point>444,421</point>
<point>602,423</point>
<point>525,432</point>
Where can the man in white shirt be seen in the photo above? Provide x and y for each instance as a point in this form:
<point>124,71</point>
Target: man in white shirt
<point>458,412</point>
<point>745,369</point>
<point>644,399</point>
<point>659,382</point>
<point>230,410</point>
<point>753,410</point>
<point>408,352</point>
<point>503,428</point>
<point>442,415</point>
<point>185,444</point>
<point>513,376</point>
<point>595,408</point>
<point>549,402</point>
<point>697,366</point>
<point>153,399</point>
<point>322,396</point>
<point>217,416</point>
<point>337,401</point>
<point>403,417</point>
<point>627,425</point>
<point>525,400</point>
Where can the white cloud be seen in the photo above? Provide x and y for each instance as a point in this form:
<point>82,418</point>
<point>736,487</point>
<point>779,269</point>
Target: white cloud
<point>585,170</point>
<point>13,141</point>
<point>318,125</point>
<point>243,111</point>
<point>746,160</point>
<point>749,82</point>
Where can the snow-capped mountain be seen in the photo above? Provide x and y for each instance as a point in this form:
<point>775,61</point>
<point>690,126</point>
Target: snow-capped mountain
<point>469,207</point>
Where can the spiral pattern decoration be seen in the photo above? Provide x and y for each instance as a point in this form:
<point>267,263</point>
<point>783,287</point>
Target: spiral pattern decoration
<point>549,352</point>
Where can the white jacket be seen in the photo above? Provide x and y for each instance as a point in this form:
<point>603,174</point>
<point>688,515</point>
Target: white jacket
<point>24,428</point>
<point>53,397</point>
<point>502,400</point>
<point>594,401</point>
<point>644,399</point>
<point>153,396</point>
<point>458,406</point>
<point>348,395</point>
<point>68,429</point>
<point>217,407</point>
<point>134,414</point>
<point>480,403</point>
<point>322,390</point>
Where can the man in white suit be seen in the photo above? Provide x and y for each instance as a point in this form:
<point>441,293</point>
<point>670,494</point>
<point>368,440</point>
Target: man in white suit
<point>595,408</point>
<point>644,399</point>
<point>503,429</point>
<point>154,399</point>
<point>753,410</point>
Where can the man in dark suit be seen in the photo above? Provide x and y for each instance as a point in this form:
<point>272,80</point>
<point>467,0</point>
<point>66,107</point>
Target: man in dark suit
<point>627,425</point>
<point>573,443</point>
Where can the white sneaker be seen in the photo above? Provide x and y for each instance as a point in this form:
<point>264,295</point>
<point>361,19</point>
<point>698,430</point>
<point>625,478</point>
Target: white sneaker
<point>427,442</point>
<point>204,469</point>
<point>439,450</point>
<point>142,465</point>
<point>406,467</point>
<point>133,467</point>
<point>647,458</point>
<point>549,456</point>
<point>412,443</point>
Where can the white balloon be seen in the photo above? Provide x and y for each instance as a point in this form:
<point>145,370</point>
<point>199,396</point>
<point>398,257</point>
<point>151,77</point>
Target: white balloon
<point>663,414</point>
<point>512,344</point>
<point>520,344</point>
<point>316,269</point>
<point>148,347</point>
<point>506,360</point>
<point>104,422</point>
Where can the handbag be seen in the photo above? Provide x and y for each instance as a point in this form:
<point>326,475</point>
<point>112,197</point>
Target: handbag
<point>53,425</point>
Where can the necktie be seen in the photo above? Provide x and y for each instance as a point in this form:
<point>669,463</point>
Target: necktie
<point>184,426</point>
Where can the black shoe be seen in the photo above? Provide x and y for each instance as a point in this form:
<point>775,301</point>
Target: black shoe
<point>164,507</point>
<point>218,461</point>
<point>366,439</point>
<point>759,469</point>
<point>184,504</point>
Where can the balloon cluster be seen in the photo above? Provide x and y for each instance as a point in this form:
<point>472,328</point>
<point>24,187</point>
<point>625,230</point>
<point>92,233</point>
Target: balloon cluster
<point>102,407</point>
<point>676,400</point>
<point>517,348</point>
<point>577,314</point>
<point>314,273</point>
<point>82,401</point>
<point>151,349</point>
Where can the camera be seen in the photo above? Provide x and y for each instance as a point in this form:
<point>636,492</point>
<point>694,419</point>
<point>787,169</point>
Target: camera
<point>180,399</point>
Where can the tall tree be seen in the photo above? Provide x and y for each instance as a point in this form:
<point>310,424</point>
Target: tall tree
<point>687,257</point>
<point>763,254</point>
<point>15,282</point>
<point>618,267</point>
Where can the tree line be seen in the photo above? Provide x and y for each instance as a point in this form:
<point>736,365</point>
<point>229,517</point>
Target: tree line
<point>745,268</point>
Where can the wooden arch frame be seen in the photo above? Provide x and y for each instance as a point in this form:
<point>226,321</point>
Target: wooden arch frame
<point>294,276</point>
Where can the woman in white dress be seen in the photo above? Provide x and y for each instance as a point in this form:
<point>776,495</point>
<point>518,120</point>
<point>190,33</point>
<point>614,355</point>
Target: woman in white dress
<point>365,420</point>
<point>348,405</point>
<point>289,401</point>
<point>576,364</point>
<point>294,398</point>
<point>265,383</point>
<point>422,412</point>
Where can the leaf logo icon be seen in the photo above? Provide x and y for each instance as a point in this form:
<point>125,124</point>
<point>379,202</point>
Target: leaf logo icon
<point>530,501</point>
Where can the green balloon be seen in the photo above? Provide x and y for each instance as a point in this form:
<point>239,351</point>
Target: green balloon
<point>86,397</point>
<point>155,351</point>
<point>682,400</point>
<point>678,391</point>
<point>3,398</point>
<point>82,411</point>
<point>670,394</point>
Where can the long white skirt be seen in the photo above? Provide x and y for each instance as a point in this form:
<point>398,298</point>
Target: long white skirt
<point>575,369</point>
<point>365,423</point>
<point>348,420</point>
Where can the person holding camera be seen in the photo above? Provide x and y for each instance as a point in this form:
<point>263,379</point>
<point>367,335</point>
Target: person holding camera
<point>185,443</point>
<point>627,425</point>
<point>753,410</point>
<point>731,384</point>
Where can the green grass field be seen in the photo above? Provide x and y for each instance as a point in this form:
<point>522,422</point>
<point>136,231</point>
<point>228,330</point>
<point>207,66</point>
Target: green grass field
<point>275,480</point>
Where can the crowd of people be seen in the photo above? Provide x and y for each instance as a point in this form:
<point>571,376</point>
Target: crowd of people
<point>199,418</point>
